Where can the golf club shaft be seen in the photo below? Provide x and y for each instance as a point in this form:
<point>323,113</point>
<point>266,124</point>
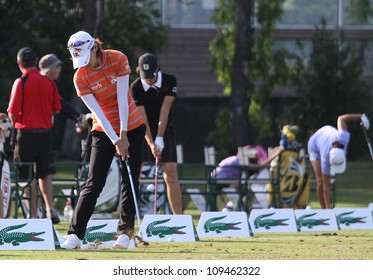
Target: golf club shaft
<point>368,141</point>
<point>133,191</point>
<point>156,184</point>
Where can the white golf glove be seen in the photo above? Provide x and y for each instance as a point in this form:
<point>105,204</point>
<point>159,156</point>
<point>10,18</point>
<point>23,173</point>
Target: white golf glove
<point>365,121</point>
<point>159,143</point>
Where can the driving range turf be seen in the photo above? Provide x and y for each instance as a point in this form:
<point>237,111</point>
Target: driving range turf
<point>354,188</point>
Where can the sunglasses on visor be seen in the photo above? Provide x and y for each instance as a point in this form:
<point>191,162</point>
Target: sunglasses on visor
<point>77,44</point>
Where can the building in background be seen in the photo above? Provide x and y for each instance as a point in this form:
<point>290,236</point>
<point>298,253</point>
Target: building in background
<point>188,56</point>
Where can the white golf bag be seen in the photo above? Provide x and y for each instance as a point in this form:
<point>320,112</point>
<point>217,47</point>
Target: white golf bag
<point>6,190</point>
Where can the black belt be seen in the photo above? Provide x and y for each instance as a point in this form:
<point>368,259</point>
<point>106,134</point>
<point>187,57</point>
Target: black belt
<point>37,130</point>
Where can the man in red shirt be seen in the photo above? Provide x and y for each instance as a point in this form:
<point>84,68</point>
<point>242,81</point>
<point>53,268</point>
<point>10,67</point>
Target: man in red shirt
<point>34,101</point>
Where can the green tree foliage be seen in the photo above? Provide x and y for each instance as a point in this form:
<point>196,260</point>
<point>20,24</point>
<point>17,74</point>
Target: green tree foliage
<point>266,68</point>
<point>39,24</point>
<point>133,27</point>
<point>329,84</point>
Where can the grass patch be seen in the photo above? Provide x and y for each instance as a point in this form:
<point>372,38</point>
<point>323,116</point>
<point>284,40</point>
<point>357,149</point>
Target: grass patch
<point>353,189</point>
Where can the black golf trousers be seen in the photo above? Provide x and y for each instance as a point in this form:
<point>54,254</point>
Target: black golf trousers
<point>102,154</point>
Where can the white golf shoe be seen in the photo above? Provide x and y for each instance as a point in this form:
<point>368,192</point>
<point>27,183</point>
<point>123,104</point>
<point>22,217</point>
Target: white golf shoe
<point>122,242</point>
<point>71,242</point>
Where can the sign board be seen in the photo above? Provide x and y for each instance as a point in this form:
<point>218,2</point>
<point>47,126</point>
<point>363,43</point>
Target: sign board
<point>223,224</point>
<point>26,234</point>
<point>272,220</point>
<point>316,220</point>
<point>100,234</point>
<point>168,228</point>
<point>354,218</point>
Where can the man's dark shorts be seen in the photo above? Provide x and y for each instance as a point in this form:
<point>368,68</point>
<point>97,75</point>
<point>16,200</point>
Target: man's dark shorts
<point>33,146</point>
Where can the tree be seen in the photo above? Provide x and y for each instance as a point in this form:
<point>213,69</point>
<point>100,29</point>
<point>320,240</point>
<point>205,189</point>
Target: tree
<point>329,84</point>
<point>243,57</point>
<point>240,100</point>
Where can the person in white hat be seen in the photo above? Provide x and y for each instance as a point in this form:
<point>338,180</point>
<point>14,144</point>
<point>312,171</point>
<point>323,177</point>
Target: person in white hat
<point>327,149</point>
<point>102,82</point>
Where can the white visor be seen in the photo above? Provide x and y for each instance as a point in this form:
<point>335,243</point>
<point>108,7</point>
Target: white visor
<point>80,45</point>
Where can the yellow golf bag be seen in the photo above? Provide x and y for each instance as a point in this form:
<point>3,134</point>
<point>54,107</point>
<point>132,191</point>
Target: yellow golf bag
<point>290,181</point>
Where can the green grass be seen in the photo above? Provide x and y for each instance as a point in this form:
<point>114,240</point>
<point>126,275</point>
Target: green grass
<point>338,245</point>
<point>353,189</point>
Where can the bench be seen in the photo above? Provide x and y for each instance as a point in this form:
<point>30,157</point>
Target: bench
<point>194,178</point>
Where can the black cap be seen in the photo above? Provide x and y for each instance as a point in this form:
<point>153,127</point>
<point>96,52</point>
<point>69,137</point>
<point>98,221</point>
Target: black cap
<point>148,66</point>
<point>26,55</point>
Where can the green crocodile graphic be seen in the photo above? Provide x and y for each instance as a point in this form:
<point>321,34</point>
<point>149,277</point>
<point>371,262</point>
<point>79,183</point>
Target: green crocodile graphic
<point>349,220</point>
<point>15,238</point>
<point>101,236</point>
<point>219,227</point>
<point>310,223</point>
<point>268,223</point>
<point>162,231</point>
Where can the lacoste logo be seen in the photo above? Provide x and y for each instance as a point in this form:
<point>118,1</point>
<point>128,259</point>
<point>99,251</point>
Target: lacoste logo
<point>162,231</point>
<point>342,219</point>
<point>18,237</point>
<point>310,223</point>
<point>101,236</point>
<point>268,223</point>
<point>219,227</point>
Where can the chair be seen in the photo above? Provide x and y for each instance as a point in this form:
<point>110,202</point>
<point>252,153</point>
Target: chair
<point>210,155</point>
<point>20,189</point>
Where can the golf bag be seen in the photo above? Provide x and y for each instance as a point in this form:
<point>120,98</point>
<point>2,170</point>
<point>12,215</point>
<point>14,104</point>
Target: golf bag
<point>290,181</point>
<point>5,184</point>
<point>6,190</point>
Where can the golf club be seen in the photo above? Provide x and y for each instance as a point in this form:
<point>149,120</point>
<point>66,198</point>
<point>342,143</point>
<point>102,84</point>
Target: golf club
<point>367,139</point>
<point>156,184</point>
<point>133,191</point>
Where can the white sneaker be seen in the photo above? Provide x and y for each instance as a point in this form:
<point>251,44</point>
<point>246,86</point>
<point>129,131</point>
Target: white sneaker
<point>71,242</point>
<point>122,242</point>
<point>132,244</point>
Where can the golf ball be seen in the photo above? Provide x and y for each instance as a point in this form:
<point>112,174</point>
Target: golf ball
<point>225,210</point>
<point>170,239</point>
<point>150,188</point>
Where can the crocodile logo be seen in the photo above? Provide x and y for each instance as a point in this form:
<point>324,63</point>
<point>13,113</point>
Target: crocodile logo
<point>219,227</point>
<point>268,223</point>
<point>101,236</point>
<point>310,223</point>
<point>18,237</point>
<point>162,231</point>
<point>342,219</point>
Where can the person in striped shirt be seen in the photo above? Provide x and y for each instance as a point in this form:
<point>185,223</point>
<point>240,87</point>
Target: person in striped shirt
<point>102,82</point>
